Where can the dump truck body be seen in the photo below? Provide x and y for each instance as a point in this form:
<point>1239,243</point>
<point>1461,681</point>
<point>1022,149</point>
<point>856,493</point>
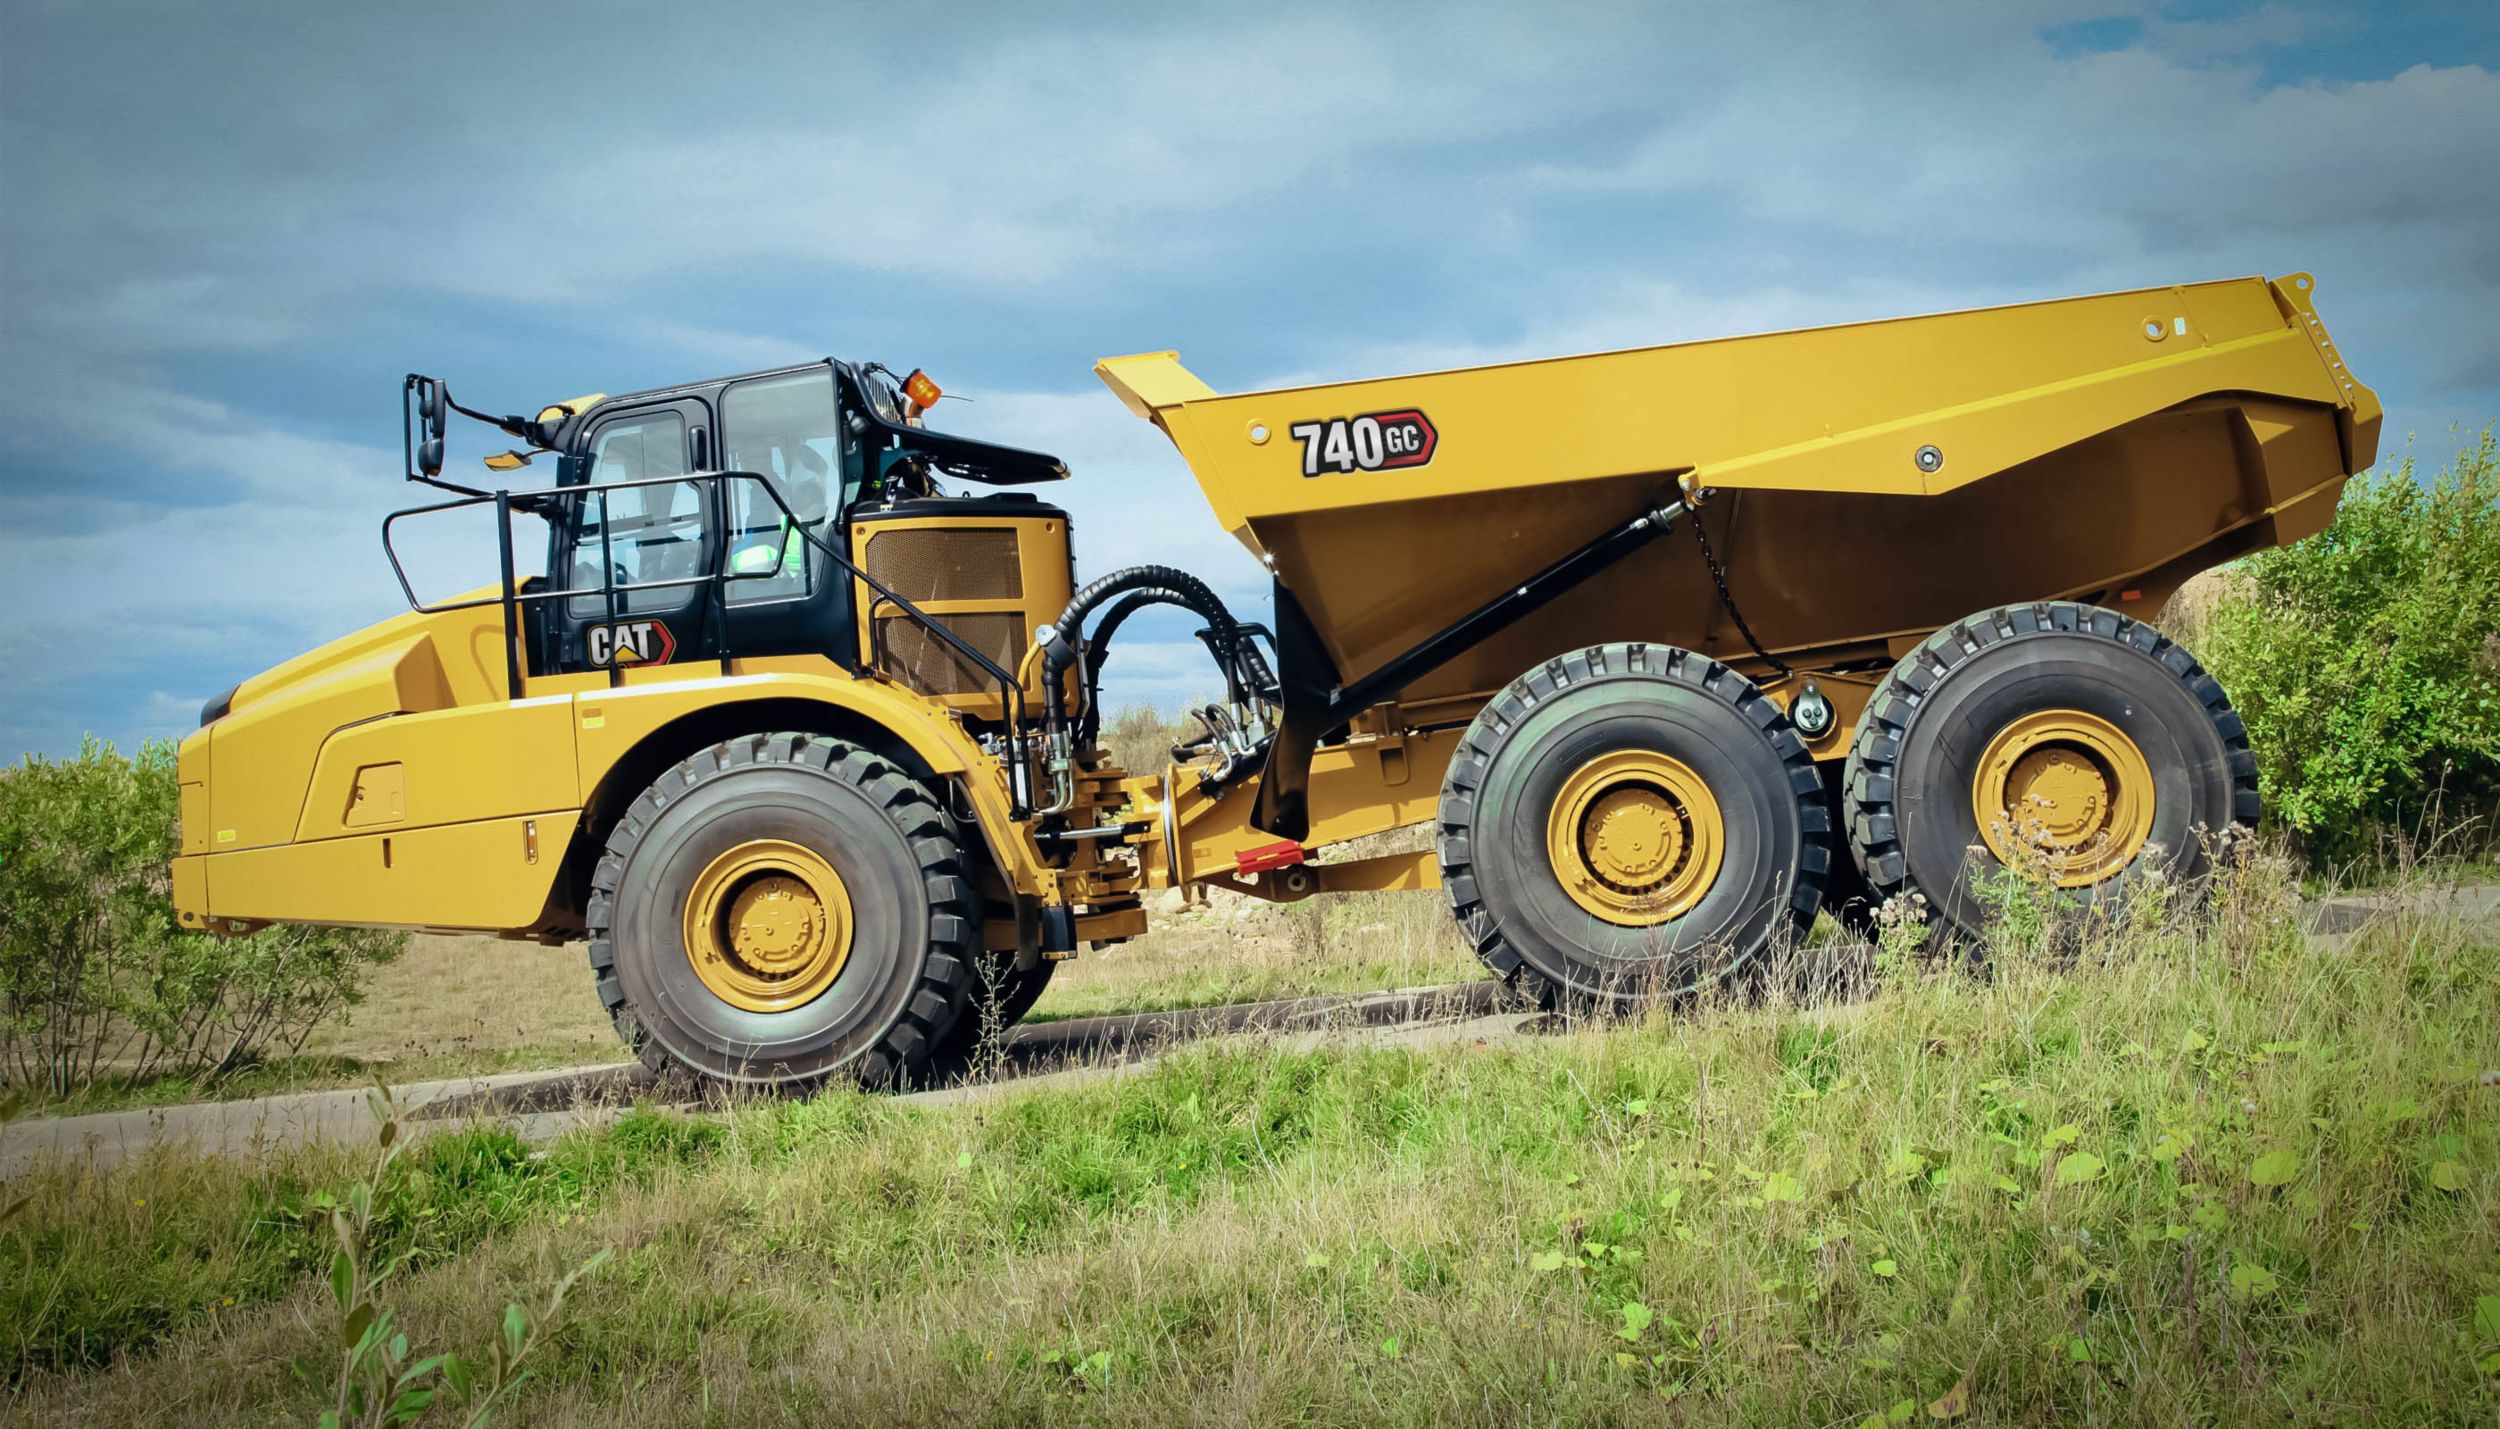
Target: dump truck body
<point>1674,647</point>
<point>2082,449</point>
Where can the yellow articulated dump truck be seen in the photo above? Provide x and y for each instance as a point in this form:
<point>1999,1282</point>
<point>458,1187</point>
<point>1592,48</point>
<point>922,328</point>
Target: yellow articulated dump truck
<point>1669,648</point>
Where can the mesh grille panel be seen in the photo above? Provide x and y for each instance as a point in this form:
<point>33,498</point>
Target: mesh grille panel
<point>947,564</point>
<point>927,664</point>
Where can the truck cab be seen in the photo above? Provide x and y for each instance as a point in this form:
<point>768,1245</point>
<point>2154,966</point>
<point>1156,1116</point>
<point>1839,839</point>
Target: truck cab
<point>663,565</point>
<point>792,534</point>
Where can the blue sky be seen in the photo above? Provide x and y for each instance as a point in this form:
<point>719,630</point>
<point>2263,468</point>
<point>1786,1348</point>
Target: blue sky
<point>225,233</point>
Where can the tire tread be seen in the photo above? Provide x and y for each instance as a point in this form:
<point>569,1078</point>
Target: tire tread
<point>1491,730</point>
<point>1869,784</point>
<point>945,970</point>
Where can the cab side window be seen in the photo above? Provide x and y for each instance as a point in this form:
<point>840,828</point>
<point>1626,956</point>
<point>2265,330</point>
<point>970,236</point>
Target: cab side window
<point>787,429</point>
<point>643,533</point>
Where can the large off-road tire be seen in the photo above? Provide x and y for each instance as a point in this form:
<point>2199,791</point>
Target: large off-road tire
<point>1630,821</point>
<point>781,908</point>
<point>2102,749</point>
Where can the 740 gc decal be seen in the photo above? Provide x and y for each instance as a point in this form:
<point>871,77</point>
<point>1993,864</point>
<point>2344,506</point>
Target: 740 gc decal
<point>1375,441</point>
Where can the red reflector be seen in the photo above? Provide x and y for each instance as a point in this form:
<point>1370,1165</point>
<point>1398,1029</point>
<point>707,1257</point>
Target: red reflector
<point>2127,595</point>
<point>1267,856</point>
<point>921,390</point>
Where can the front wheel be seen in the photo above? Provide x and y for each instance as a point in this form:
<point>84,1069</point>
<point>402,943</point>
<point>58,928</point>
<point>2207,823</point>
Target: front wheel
<point>1630,820</point>
<point>778,909</point>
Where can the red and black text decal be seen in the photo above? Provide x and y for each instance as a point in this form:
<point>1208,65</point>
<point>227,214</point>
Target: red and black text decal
<point>630,642</point>
<point>1375,441</point>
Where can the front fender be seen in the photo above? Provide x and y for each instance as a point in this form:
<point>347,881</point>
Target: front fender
<point>625,736</point>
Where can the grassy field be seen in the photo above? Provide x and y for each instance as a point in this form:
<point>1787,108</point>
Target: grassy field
<point>2213,1173</point>
<point>1242,950</point>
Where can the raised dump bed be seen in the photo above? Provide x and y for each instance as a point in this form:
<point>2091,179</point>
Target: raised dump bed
<point>1875,480</point>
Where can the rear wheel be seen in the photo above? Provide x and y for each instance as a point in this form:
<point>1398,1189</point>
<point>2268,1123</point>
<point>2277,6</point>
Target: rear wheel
<point>2066,741</point>
<point>778,909</point>
<point>1630,820</point>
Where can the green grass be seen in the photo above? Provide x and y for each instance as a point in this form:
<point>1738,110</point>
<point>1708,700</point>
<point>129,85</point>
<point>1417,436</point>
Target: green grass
<point>2219,1174</point>
<point>171,1245</point>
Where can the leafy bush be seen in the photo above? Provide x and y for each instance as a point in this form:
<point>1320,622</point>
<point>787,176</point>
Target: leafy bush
<point>2366,659</point>
<point>97,980</point>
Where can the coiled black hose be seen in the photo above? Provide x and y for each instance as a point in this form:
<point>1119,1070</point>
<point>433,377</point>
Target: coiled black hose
<point>1243,667</point>
<point>1251,673</point>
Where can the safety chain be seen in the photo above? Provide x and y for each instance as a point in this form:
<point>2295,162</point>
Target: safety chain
<point>1719,577</point>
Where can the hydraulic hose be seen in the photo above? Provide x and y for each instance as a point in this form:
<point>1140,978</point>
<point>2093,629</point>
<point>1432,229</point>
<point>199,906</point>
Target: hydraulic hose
<point>1170,585</point>
<point>1098,641</point>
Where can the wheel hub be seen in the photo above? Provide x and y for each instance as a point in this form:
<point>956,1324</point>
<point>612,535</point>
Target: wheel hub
<point>768,925</point>
<point>1635,838</point>
<point>2065,792</point>
<point>1633,835</point>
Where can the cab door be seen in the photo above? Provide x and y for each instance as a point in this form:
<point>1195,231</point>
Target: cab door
<point>783,595</point>
<point>637,560</point>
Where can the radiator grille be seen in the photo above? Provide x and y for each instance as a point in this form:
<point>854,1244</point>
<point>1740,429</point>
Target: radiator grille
<point>947,564</point>
<point>909,653</point>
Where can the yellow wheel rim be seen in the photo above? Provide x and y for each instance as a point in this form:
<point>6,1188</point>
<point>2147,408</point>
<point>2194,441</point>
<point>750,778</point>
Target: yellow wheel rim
<point>1635,838</point>
<point>2066,793</point>
<point>768,925</point>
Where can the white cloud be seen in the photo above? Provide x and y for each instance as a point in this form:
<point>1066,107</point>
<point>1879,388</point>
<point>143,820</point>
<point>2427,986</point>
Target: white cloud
<point>2271,26</point>
<point>1338,194</point>
<point>2115,170</point>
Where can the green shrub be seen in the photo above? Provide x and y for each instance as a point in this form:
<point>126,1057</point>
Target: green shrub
<point>2366,659</point>
<point>96,979</point>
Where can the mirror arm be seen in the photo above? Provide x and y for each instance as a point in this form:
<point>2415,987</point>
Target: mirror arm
<point>454,487</point>
<point>527,429</point>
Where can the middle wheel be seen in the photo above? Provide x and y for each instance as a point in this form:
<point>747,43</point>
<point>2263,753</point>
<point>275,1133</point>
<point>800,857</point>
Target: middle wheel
<point>1630,820</point>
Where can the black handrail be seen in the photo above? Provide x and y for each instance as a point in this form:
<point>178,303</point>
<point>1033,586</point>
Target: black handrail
<point>510,597</point>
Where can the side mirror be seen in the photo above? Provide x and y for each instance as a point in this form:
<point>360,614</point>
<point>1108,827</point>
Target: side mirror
<point>425,401</point>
